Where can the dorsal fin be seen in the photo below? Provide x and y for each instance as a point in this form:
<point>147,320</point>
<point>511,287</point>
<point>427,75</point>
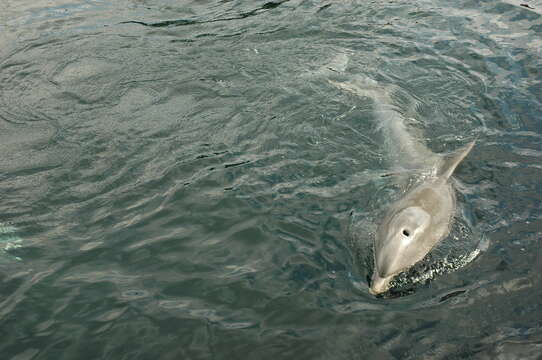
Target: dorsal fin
<point>450,162</point>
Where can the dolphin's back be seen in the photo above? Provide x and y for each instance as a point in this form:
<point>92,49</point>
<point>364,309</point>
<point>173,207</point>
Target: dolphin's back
<point>405,149</point>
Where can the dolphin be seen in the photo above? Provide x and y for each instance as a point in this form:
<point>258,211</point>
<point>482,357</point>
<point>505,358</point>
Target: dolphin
<point>414,224</point>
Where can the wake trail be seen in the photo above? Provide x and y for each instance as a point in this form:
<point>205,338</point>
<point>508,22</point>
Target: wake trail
<point>405,150</point>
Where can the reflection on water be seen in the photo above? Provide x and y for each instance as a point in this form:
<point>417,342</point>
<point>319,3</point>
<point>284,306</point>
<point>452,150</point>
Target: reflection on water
<point>187,183</point>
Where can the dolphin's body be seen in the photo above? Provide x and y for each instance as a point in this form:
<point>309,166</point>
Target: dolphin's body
<point>415,223</point>
<point>418,221</point>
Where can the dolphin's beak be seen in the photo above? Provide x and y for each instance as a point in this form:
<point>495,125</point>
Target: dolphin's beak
<point>379,284</point>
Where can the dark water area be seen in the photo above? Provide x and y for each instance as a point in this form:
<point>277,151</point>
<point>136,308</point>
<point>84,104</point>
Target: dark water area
<point>180,180</point>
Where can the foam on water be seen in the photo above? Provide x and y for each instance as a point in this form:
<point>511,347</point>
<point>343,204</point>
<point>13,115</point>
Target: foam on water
<point>9,240</point>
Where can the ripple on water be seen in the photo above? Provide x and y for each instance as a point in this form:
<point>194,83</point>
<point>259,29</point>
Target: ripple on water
<point>190,172</point>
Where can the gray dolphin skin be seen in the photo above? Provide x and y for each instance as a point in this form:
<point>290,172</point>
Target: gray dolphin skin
<point>415,223</point>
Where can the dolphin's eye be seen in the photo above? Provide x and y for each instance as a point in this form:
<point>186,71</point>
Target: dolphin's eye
<point>406,232</point>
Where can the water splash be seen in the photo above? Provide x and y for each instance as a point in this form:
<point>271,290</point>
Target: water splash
<point>9,240</point>
<point>435,265</point>
<point>444,266</point>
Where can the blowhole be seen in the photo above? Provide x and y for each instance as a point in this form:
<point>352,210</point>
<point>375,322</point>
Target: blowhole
<point>406,232</point>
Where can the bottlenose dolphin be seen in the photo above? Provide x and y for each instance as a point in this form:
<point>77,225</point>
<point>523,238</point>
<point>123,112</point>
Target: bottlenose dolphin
<point>415,223</point>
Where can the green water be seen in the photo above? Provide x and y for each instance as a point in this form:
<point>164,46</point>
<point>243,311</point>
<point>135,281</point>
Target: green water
<point>182,181</point>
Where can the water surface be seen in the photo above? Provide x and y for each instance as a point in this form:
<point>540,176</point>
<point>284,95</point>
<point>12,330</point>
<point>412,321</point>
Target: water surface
<point>181,181</point>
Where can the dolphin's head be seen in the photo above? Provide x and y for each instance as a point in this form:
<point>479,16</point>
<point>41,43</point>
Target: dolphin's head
<point>399,244</point>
